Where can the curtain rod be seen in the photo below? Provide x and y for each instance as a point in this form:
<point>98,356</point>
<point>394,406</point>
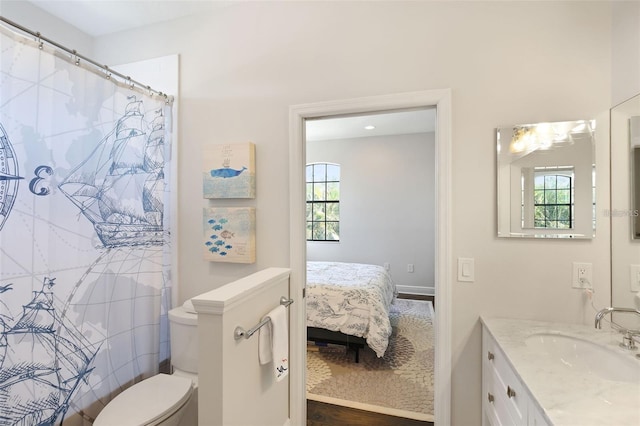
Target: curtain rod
<point>108,71</point>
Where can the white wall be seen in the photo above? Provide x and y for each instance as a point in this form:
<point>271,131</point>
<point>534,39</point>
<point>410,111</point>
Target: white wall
<point>387,205</point>
<point>625,53</point>
<point>35,19</point>
<point>506,62</point>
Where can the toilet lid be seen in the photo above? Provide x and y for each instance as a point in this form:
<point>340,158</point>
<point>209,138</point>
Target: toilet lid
<point>146,401</point>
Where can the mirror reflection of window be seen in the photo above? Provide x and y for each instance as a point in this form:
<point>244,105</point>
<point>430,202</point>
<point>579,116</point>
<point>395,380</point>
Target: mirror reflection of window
<point>548,198</point>
<point>553,200</point>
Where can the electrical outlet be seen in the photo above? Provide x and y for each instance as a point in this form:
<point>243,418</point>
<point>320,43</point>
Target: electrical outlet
<point>410,267</point>
<point>582,275</point>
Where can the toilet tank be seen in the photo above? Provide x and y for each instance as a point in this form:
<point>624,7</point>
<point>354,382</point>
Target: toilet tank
<point>183,329</point>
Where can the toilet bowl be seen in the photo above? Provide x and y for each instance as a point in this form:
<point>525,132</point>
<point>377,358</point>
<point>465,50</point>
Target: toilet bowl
<point>166,400</point>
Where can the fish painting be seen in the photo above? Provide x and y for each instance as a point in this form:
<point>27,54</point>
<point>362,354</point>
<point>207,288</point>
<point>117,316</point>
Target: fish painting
<point>227,234</point>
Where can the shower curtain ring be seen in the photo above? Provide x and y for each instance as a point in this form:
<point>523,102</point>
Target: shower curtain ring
<point>75,53</point>
<point>130,84</point>
<point>106,70</point>
<point>40,44</point>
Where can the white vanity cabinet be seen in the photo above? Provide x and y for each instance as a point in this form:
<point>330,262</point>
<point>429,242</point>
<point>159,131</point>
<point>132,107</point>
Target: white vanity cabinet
<point>505,399</point>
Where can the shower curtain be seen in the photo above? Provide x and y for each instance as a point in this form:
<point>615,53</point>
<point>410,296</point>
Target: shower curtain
<point>84,237</point>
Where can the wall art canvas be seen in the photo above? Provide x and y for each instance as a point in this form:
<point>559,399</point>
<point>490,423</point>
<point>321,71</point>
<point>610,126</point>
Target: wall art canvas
<point>229,234</point>
<point>229,171</point>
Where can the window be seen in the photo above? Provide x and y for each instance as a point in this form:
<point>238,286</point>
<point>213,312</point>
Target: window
<point>323,202</point>
<point>553,199</point>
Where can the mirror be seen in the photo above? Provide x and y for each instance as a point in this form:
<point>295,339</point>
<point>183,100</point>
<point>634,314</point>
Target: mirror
<point>625,208</point>
<point>546,180</point>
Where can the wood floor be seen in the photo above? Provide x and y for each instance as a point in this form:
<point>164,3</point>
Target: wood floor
<point>418,297</point>
<point>322,414</point>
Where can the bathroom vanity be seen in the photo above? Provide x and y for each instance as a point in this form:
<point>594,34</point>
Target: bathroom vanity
<point>541,373</point>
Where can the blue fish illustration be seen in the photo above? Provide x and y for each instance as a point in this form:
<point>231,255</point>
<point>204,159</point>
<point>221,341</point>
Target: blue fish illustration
<point>226,172</point>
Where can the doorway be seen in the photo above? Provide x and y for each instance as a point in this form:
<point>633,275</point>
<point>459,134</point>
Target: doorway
<point>440,99</point>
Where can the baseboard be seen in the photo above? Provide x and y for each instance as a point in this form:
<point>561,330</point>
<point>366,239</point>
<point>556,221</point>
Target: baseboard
<point>423,291</point>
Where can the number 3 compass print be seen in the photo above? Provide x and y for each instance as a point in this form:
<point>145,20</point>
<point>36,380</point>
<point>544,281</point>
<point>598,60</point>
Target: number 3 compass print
<point>39,185</point>
<point>8,177</point>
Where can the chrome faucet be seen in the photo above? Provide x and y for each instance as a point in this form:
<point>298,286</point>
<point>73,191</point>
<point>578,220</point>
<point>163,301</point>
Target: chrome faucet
<point>627,340</point>
<point>606,311</point>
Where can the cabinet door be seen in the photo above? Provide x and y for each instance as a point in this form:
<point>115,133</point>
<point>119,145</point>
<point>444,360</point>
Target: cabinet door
<point>495,402</point>
<point>536,417</point>
<point>506,385</point>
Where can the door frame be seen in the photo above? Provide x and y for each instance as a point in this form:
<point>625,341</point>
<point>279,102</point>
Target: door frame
<point>441,99</point>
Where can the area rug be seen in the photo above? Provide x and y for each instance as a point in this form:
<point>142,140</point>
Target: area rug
<point>399,384</point>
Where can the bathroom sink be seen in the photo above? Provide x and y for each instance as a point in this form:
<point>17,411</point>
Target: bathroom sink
<point>577,354</point>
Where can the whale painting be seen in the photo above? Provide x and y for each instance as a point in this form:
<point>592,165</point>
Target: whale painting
<point>228,171</point>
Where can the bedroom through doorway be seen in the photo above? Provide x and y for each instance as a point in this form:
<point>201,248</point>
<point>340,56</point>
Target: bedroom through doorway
<point>370,187</point>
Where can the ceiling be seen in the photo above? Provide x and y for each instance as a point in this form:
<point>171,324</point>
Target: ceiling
<point>99,18</point>
<point>102,17</point>
<point>389,123</point>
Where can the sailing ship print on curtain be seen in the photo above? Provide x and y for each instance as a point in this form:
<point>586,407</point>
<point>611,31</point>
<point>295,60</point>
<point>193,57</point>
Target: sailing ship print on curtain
<point>85,278</point>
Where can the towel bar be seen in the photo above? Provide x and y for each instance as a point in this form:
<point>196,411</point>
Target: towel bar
<point>240,332</point>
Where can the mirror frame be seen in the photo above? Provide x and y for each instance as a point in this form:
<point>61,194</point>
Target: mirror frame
<point>624,211</point>
<point>524,149</point>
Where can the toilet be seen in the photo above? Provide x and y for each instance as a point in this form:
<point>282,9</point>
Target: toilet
<point>166,400</point>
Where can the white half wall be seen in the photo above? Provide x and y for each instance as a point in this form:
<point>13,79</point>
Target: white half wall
<point>234,389</point>
<point>387,187</point>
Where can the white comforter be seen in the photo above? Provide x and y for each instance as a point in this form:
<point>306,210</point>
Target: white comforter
<point>352,298</point>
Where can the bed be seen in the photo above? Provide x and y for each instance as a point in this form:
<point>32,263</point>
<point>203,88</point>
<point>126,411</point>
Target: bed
<point>348,303</point>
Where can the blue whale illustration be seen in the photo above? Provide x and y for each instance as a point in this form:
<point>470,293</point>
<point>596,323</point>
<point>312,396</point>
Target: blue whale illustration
<point>226,172</point>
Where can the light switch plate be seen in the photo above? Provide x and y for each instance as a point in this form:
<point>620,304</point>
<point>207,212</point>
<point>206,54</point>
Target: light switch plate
<point>466,269</point>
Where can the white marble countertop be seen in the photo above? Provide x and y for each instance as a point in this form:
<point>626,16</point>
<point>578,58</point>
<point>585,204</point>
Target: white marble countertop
<point>568,396</point>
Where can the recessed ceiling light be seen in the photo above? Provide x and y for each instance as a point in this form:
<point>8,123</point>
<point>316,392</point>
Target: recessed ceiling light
<point>369,127</point>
